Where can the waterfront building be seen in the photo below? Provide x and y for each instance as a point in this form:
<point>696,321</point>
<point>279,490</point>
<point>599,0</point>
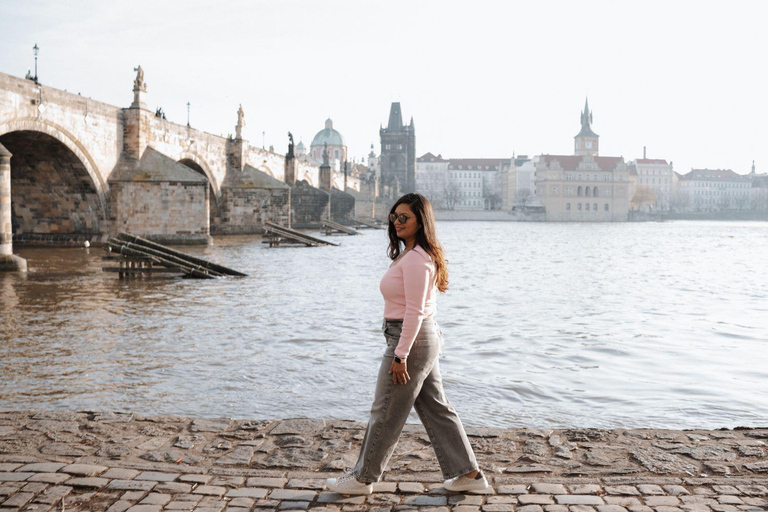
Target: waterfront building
<point>398,155</point>
<point>432,178</point>
<point>713,190</point>
<point>759,193</point>
<point>655,184</point>
<point>517,183</point>
<point>337,147</point>
<point>474,183</point>
<point>583,186</point>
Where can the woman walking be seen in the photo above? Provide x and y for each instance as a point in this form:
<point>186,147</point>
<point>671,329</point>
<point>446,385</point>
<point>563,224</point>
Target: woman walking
<point>409,375</point>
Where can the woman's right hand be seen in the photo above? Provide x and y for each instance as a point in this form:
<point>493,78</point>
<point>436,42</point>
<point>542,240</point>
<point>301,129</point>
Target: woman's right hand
<point>399,372</point>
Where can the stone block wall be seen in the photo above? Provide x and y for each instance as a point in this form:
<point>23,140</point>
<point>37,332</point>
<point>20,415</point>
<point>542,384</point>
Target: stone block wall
<point>52,192</point>
<point>309,205</point>
<point>244,211</point>
<point>270,163</point>
<point>167,212</point>
<point>342,206</point>
<point>92,129</point>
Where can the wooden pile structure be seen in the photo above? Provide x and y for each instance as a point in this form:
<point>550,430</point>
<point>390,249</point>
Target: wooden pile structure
<point>276,236</point>
<point>368,223</point>
<point>333,228</point>
<point>139,257</point>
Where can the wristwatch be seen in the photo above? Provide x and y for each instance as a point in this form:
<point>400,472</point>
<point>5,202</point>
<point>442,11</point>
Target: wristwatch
<point>398,360</point>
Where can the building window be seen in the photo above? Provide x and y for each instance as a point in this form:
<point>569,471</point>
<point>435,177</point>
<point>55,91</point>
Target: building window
<point>568,206</point>
<point>594,207</point>
<point>595,193</point>
<point>586,191</point>
<point>578,192</point>
<point>579,207</point>
<point>606,206</point>
<point>554,190</point>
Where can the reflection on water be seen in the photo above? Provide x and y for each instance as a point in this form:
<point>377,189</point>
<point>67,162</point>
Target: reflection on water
<point>546,325</point>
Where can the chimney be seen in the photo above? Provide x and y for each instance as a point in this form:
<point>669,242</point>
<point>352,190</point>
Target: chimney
<point>643,152</point>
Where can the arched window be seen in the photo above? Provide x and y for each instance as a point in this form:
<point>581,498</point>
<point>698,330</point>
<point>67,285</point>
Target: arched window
<point>595,192</point>
<point>568,206</point>
<point>578,192</point>
<point>587,190</point>
<point>579,208</point>
<point>606,206</point>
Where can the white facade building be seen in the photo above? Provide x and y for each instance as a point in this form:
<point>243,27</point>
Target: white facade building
<point>432,178</point>
<point>655,179</point>
<point>474,183</point>
<point>713,190</point>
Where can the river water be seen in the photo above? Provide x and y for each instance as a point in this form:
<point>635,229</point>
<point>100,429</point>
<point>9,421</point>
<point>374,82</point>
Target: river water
<point>546,325</point>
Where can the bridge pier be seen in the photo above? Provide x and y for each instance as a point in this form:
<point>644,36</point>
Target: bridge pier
<point>8,261</point>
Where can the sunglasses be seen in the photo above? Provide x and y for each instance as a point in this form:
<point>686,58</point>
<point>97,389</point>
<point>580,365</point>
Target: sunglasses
<point>403,218</point>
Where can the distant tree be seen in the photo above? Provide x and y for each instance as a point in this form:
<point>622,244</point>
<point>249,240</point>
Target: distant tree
<point>522,195</point>
<point>662,200</point>
<point>644,198</point>
<point>494,200</point>
<point>724,202</point>
<point>452,194</point>
<point>759,199</point>
<point>741,200</point>
<point>680,201</point>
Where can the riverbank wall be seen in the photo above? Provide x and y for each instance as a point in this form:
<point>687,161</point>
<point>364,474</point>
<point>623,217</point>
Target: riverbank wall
<point>54,460</point>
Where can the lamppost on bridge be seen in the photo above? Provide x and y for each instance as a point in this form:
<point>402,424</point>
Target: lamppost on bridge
<point>36,50</point>
<point>188,105</point>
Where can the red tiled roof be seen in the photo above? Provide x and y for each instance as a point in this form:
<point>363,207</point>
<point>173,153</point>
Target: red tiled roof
<point>429,157</point>
<point>713,174</point>
<point>651,161</point>
<point>571,162</point>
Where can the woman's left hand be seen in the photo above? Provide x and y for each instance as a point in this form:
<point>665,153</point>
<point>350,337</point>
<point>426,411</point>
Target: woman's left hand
<point>399,372</point>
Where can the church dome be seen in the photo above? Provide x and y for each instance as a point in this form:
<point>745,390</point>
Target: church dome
<point>328,136</point>
<point>300,146</point>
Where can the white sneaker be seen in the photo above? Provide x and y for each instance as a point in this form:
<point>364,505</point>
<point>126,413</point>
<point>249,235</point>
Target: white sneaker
<point>348,484</point>
<point>461,483</point>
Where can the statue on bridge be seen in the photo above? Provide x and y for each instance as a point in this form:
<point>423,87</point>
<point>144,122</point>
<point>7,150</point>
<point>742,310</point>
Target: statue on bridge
<point>240,122</point>
<point>138,84</point>
<point>326,163</point>
<point>290,145</point>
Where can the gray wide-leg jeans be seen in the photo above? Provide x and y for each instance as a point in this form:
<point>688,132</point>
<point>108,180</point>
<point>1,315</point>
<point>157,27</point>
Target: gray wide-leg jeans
<point>424,391</point>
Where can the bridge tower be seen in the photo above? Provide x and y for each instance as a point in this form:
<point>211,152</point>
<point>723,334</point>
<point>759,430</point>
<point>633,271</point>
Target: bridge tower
<point>8,261</point>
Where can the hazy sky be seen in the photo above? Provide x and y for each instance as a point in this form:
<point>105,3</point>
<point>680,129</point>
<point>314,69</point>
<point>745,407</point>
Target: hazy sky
<point>480,78</point>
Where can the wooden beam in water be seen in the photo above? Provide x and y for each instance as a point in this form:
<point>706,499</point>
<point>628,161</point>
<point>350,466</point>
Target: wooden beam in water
<point>330,225</point>
<point>309,240</point>
<point>191,260</point>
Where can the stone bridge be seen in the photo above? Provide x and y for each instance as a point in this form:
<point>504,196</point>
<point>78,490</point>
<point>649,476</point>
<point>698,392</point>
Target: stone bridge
<point>82,169</point>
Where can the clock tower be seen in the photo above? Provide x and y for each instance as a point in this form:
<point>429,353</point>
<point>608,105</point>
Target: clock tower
<point>586,142</point>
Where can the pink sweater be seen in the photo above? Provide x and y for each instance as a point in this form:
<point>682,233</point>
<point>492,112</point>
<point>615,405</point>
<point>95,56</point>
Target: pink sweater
<point>409,293</point>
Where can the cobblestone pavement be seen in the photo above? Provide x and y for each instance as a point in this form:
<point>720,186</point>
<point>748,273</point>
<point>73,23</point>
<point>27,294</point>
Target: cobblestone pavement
<point>92,461</point>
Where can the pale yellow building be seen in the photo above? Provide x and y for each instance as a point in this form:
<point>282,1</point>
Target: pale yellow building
<point>584,186</point>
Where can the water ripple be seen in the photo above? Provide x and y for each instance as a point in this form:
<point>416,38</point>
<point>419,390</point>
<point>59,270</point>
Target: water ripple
<point>546,325</point>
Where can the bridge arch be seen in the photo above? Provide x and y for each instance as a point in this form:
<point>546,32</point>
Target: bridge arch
<point>29,124</point>
<point>55,186</point>
<point>308,178</point>
<point>198,163</point>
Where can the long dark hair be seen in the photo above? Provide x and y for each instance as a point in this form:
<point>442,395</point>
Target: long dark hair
<point>426,236</point>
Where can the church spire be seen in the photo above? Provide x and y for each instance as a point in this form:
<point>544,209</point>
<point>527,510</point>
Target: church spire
<point>395,117</point>
<point>586,121</point>
<point>586,142</point>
